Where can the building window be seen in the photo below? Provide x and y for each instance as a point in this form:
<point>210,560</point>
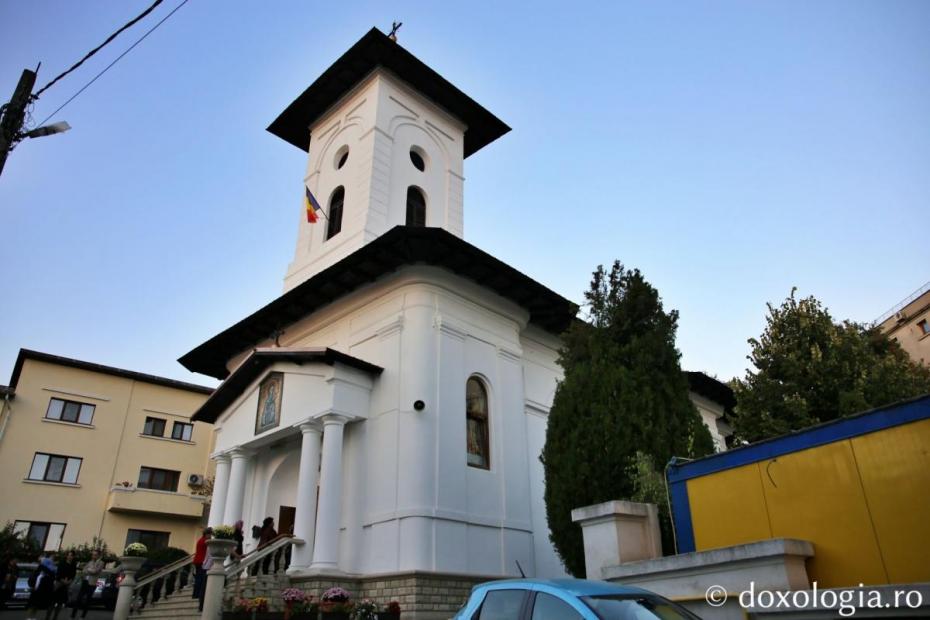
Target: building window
<point>158,479</point>
<point>334,223</point>
<point>342,156</point>
<point>70,411</point>
<point>476,416</point>
<point>182,431</point>
<point>152,540</point>
<point>923,326</point>
<point>154,427</point>
<point>416,207</point>
<point>417,158</point>
<point>47,536</point>
<point>55,468</point>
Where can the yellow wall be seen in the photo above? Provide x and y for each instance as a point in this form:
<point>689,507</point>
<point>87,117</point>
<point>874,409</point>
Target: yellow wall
<point>112,450</point>
<point>864,503</point>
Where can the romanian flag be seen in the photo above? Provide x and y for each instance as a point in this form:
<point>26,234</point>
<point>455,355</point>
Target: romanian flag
<point>312,206</point>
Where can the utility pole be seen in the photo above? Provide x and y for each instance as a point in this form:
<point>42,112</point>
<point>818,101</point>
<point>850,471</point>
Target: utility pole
<point>13,114</point>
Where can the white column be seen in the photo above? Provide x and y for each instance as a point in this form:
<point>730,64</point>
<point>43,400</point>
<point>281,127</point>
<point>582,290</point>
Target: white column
<point>220,489</point>
<point>232,512</point>
<point>326,539</point>
<point>308,477</point>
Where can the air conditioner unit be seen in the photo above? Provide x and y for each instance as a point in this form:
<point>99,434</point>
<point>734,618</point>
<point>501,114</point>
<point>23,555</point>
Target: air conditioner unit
<point>900,316</point>
<point>195,480</point>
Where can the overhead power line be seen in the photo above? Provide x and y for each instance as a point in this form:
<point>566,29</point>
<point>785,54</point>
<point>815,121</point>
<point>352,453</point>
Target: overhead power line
<point>98,48</point>
<point>117,59</point>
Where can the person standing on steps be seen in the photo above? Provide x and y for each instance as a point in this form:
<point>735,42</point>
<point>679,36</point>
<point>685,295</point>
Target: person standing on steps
<point>200,555</point>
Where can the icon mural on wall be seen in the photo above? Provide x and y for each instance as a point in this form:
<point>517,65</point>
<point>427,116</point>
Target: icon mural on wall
<point>269,402</point>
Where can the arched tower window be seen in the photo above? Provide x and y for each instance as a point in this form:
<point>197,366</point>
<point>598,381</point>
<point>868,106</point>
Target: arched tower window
<point>416,207</point>
<point>476,420</point>
<point>334,223</point>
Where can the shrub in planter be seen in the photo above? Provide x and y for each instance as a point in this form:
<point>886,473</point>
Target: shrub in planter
<point>136,550</point>
<point>224,532</point>
<point>336,604</point>
<point>298,604</point>
<point>251,609</point>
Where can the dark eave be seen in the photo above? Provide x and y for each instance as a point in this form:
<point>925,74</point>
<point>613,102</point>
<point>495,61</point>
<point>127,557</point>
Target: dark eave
<point>26,354</point>
<point>7,393</point>
<point>400,246</point>
<point>375,50</point>
<point>256,363</point>
<point>711,388</point>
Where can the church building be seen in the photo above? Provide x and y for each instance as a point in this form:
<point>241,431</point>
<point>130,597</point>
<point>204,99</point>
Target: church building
<point>390,406</point>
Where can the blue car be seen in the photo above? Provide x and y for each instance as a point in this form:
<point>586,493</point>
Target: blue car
<point>566,599</point>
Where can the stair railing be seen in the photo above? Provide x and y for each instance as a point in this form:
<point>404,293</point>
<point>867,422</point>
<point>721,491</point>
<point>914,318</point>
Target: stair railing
<point>271,559</point>
<point>163,582</point>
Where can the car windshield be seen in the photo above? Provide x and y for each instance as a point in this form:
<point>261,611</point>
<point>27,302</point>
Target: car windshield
<point>636,608</point>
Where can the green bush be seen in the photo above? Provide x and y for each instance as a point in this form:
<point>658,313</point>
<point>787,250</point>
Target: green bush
<point>82,551</point>
<point>13,545</point>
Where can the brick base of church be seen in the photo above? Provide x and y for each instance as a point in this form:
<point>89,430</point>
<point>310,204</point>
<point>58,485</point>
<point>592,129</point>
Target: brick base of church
<point>422,595</point>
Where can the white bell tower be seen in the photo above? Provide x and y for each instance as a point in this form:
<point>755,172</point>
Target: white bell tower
<point>387,140</point>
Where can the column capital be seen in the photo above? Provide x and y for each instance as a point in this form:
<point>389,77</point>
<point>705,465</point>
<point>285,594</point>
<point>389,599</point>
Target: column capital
<point>310,425</point>
<point>334,419</point>
<point>220,457</point>
<point>240,453</point>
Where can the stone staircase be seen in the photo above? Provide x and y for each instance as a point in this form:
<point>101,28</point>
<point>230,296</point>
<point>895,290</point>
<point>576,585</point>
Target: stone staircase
<point>178,606</point>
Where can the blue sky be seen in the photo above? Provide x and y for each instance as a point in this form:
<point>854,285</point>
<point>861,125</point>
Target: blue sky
<point>730,150</point>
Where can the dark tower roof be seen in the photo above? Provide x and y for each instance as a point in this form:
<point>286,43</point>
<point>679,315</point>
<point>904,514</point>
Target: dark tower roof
<point>375,50</point>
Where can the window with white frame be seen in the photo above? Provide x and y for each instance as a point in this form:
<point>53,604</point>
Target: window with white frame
<point>182,431</point>
<point>55,468</point>
<point>154,427</point>
<point>70,411</point>
<point>46,536</point>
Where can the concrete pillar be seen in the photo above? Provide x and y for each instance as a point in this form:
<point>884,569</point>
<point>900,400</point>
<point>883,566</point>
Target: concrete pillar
<point>618,532</point>
<point>219,550</point>
<point>305,515</point>
<point>326,539</point>
<point>130,566</point>
<point>232,512</point>
<point>220,489</point>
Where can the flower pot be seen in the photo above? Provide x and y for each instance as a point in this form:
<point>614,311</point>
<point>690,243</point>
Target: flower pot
<point>131,563</point>
<point>219,549</point>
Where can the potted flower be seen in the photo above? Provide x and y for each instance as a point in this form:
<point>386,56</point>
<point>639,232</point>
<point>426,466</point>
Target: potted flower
<point>336,604</point>
<point>365,610</point>
<point>391,611</point>
<point>222,543</point>
<point>133,557</point>
<point>298,604</point>
<point>250,609</point>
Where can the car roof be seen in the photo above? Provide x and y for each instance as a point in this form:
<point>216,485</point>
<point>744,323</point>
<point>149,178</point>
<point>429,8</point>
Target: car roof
<point>578,587</point>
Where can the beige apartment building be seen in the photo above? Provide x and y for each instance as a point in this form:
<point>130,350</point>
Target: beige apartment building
<point>909,324</point>
<point>88,450</point>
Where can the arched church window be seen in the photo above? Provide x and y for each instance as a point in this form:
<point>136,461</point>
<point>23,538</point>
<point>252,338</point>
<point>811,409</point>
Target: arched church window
<point>342,156</point>
<point>417,158</point>
<point>334,223</point>
<point>416,207</point>
<point>476,420</point>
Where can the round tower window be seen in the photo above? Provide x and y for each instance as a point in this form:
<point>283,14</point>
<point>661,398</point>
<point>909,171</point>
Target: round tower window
<point>342,155</point>
<point>418,158</point>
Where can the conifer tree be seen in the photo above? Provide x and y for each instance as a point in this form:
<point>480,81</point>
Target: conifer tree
<point>623,393</point>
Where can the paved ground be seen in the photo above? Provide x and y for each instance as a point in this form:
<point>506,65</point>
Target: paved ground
<point>20,614</point>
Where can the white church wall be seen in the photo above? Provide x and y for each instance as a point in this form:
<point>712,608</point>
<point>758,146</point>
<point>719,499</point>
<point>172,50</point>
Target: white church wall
<point>410,499</point>
<point>710,412</point>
